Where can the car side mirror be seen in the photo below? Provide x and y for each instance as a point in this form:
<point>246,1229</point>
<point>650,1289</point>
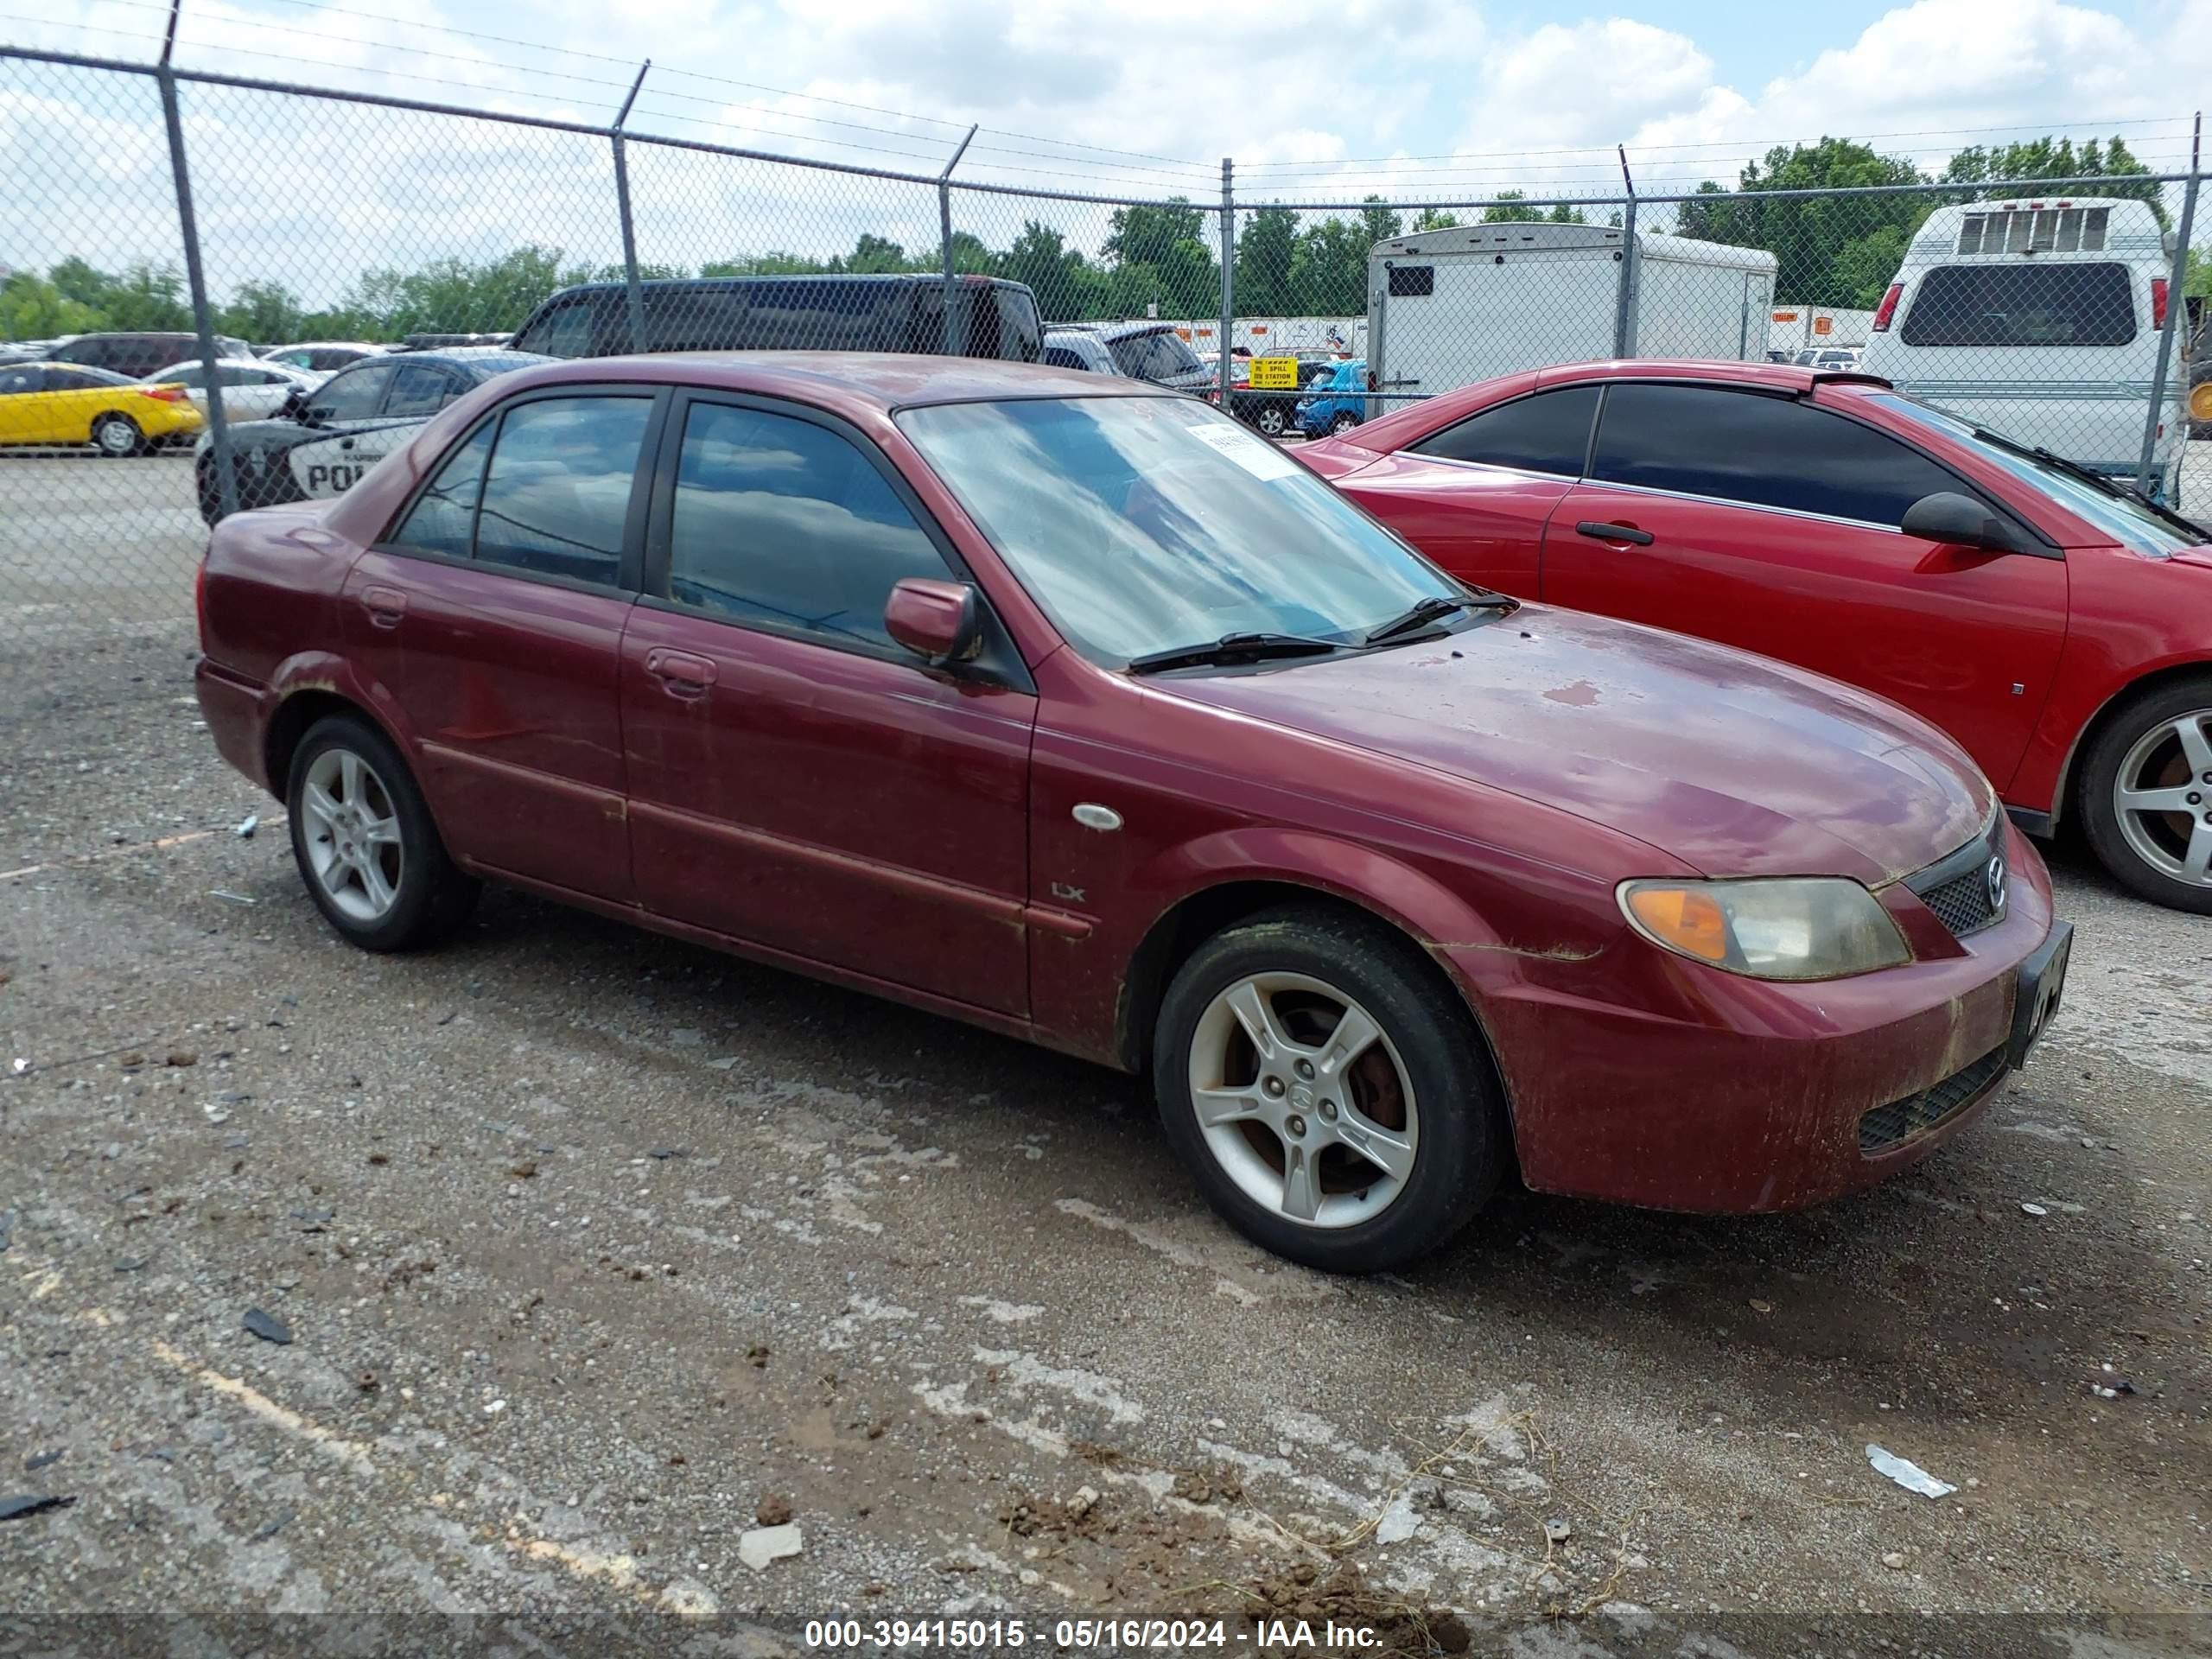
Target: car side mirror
<point>942,621</point>
<point>1957,520</point>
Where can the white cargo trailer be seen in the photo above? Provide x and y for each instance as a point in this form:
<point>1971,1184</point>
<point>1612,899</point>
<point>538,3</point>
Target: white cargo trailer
<point>1446,308</point>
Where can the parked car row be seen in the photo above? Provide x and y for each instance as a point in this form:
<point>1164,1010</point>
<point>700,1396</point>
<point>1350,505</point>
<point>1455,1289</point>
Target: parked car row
<point>1066,705</point>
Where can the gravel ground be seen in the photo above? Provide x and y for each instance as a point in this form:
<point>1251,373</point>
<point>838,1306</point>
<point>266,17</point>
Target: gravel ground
<point>598,1251</point>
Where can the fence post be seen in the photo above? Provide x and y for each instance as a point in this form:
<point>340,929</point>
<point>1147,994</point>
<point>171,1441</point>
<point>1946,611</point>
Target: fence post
<point>195,275</point>
<point>1227,274</point>
<point>1624,302</point>
<point>956,339</point>
<point>622,206</point>
<point>2177,306</point>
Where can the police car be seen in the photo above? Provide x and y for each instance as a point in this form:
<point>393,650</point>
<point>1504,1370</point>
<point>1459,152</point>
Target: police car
<point>324,439</point>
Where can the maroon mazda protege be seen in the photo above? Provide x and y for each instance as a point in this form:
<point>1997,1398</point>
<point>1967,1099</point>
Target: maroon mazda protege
<point>1076,710</point>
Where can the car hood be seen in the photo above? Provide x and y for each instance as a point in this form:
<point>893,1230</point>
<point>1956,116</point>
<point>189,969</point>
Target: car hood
<point>1735,765</point>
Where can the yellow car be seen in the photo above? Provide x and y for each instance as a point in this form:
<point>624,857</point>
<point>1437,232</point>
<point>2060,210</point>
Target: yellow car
<point>65,404</point>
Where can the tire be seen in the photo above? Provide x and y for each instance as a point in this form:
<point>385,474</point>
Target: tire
<point>210,498</point>
<point>423,896</point>
<point>1271,419</point>
<point>1422,1086</point>
<point>118,436</point>
<point>1343,423</point>
<point>2159,741</point>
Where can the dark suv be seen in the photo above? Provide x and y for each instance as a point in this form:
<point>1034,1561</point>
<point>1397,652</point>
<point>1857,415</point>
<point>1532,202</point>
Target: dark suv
<point>897,312</point>
<point>136,356</point>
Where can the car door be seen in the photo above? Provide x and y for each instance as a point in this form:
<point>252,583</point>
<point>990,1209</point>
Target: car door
<point>494,610</point>
<point>1766,521</point>
<point>797,779</point>
<point>67,399</point>
<point>22,405</point>
<point>1475,495</point>
<point>326,462</point>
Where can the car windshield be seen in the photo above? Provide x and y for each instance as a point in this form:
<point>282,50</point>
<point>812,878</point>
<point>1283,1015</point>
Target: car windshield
<point>1153,357</point>
<point>2130,521</point>
<point>1144,524</point>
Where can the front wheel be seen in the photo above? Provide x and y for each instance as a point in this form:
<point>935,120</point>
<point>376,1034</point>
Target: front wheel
<point>364,844</point>
<point>1271,420</point>
<point>116,436</point>
<point>1329,1093</point>
<point>1343,423</point>
<point>2147,794</point>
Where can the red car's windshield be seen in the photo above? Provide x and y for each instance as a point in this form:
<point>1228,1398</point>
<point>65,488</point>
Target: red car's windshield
<point>1141,525</point>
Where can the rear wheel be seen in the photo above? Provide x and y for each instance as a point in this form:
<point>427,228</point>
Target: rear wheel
<point>1328,1092</point>
<point>1271,419</point>
<point>362,836</point>
<point>1343,423</point>
<point>117,435</point>
<point>2147,794</point>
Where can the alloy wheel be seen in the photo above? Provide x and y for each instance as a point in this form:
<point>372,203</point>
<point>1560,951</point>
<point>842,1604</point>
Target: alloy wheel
<point>2163,798</point>
<point>1303,1100</point>
<point>353,844</point>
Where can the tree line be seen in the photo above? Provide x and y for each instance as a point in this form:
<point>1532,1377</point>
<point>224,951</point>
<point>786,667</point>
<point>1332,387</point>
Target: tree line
<point>1160,259</point>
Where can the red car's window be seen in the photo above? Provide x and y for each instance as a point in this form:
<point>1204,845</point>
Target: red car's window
<point>1761,450</point>
<point>558,491</point>
<point>784,524</point>
<point>1546,432</point>
<point>444,516</point>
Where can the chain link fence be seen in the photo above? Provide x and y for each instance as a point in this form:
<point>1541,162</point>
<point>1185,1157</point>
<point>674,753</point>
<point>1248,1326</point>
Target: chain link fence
<point>337,267</point>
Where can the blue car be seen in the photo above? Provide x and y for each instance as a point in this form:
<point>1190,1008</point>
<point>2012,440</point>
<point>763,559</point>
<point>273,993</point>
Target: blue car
<point>1338,403</point>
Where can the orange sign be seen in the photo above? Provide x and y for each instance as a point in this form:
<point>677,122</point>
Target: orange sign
<point>1823,324</point>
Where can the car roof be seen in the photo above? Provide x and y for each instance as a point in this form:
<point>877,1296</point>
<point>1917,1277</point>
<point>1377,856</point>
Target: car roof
<point>460,356</point>
<point>850,381</point>
<point>1402,426</point>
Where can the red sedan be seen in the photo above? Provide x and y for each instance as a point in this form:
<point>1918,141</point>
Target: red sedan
<point>2059,628</point>
<point>1078,711</point>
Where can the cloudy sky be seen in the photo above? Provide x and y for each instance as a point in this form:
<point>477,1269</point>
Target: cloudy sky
<point>1318,99</point>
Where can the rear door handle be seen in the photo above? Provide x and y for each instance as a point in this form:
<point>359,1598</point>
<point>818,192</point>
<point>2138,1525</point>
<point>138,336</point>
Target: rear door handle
<point>385,605</point>
<point>1614,532</point>
<point>681,675</point>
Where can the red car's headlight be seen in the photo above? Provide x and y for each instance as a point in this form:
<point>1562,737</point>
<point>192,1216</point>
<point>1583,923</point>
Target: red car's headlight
<point>1794,928</point>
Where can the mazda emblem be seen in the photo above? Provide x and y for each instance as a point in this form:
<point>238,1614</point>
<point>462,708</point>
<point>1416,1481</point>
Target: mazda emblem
<point>1993,879</point>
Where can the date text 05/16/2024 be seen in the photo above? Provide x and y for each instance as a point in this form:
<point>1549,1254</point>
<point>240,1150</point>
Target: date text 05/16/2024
<point>1079,1635</point>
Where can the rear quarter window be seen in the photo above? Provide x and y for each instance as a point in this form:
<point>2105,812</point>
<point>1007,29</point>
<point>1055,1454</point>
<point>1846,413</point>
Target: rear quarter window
<point>2057,304</point>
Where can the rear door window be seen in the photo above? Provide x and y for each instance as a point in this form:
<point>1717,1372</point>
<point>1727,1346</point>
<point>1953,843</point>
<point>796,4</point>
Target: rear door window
<point>556,494</point>
<point>1761,451</point>
<point>2063,304</point>
<point>1546,432</point>
<point>443,517</point>
<point>353,394</point>
<point>419,389</point>
<point>787,525</point>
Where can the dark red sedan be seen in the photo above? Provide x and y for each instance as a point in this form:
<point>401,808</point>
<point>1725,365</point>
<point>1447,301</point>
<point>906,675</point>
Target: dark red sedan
<point>1080,712</point>
<point>2058,626</point>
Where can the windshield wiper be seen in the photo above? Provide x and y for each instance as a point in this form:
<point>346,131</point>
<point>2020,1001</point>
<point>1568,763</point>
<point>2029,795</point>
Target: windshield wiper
<point>1435,608</point>
<point>1232,648</point>
<point>2099,482</point>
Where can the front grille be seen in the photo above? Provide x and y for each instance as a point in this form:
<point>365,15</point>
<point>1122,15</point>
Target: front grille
<point>1963,904</point>
<point>1957,887</point>
<point>1888,1126</point>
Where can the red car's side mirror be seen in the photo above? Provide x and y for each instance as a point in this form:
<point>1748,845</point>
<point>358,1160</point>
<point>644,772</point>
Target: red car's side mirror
<point>939,620</point>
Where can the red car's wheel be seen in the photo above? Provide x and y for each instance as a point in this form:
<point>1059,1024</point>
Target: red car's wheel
<point>363,838</point>
<point>1328,1090</point>
<point>2147,794</point>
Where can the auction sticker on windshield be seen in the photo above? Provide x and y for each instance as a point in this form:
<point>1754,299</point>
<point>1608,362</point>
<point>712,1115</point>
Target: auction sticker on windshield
<point>1253,453</point>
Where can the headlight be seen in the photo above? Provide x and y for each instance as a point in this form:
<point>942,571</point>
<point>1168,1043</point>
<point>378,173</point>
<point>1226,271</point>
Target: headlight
<point>1798,927</point>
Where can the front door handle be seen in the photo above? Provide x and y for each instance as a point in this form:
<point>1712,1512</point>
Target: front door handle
<point>681,675</point>
<point>1614,532</point>
<point>385,605</point>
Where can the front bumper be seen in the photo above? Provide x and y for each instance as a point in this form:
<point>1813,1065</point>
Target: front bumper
<point>1704,1091</point>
